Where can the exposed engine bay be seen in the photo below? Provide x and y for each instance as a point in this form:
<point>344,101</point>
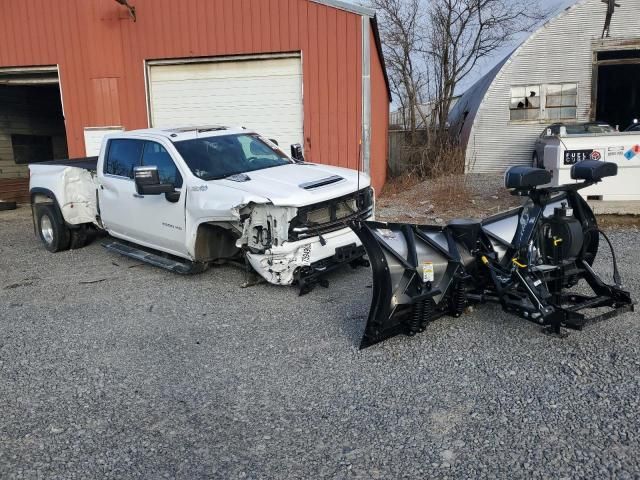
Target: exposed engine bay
<point>288,245</point>
<point>528,260</point>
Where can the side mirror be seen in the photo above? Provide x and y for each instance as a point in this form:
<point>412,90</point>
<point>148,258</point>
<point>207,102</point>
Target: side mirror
<point>272,140</point>
<point>296,152</point>
<point>148,181</point>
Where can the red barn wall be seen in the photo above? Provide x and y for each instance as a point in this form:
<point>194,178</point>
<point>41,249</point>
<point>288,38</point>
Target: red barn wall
<point>101,53</point>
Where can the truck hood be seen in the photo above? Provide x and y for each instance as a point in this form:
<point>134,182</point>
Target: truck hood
<point>297,185</point>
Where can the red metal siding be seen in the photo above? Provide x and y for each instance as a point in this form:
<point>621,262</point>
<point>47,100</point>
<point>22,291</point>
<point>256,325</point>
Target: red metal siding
<point>101,54</point>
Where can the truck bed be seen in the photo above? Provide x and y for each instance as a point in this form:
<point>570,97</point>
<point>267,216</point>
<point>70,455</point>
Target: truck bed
<point>71,182</point>
<point>87,163</point>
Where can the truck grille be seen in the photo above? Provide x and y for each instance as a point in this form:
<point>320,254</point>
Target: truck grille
<point>332,215</point>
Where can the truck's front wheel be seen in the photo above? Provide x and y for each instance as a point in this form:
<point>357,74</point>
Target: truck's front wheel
<point>53,232</point>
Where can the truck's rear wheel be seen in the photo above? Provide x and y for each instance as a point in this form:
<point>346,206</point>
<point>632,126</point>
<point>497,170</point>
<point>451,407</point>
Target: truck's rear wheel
<point>53,232</point>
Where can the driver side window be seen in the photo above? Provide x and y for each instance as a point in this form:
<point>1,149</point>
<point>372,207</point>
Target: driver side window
<point>156,154</point>
<point>123,154</point>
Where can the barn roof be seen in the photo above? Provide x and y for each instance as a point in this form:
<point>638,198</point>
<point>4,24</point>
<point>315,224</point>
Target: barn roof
<point>349,7</point>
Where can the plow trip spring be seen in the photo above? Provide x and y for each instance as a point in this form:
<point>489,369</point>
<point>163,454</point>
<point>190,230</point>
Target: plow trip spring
<point>536,261</point>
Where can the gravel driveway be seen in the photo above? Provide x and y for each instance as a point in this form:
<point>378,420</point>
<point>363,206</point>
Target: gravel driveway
<point>112,369</point>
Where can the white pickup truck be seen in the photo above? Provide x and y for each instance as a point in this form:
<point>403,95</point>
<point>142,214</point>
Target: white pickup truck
<point>183,198</point>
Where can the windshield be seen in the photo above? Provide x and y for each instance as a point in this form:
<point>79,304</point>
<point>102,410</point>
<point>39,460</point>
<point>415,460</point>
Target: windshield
<point>589,128</point>
<point>212,158</point>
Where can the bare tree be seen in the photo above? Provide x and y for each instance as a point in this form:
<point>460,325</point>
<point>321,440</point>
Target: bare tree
<point>401,24</point>
<point>461,33</point>
<point>430,46</point>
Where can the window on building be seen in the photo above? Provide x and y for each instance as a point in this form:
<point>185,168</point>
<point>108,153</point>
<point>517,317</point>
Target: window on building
<point>31,148</point>
<point>525,102</point>
<point>561,101</point>
<point>122,156</point>
<point>156,155</point>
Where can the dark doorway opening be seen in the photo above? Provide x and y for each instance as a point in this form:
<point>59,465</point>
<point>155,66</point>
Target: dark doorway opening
<point>32,128</point>
<point>618,97</point>
<point>31,124</point>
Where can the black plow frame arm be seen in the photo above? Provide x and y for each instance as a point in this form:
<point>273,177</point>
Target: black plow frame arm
<point>402,301</point>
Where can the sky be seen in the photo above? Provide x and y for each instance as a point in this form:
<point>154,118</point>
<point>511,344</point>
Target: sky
<point>555,6</point>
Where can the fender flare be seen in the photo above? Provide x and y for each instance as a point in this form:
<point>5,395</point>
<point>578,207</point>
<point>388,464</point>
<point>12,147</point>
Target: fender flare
<point>49,194</point>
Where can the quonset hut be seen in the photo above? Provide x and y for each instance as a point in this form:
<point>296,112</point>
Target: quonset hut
<point>575,68</point>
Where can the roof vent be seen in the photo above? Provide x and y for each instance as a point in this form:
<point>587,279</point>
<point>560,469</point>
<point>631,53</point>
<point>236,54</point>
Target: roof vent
<point>321,182</point>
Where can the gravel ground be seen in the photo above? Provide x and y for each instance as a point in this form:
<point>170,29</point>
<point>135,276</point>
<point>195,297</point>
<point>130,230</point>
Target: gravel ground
<point>113,369</point>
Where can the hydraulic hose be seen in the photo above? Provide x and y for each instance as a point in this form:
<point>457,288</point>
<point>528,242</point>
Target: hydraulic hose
<point>617,280</point>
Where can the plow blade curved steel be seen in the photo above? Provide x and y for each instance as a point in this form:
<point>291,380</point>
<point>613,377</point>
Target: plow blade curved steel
<point>413,269</point>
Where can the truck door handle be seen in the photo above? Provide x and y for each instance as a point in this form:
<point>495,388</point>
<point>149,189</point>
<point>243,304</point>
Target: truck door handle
<point>135,195</point>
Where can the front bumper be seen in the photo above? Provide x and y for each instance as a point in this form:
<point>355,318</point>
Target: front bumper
<point>308,258</point>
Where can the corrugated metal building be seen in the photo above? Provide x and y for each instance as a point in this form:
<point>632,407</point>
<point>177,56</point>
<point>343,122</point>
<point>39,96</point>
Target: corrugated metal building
<point>564,72</point>
<point>300,71</point>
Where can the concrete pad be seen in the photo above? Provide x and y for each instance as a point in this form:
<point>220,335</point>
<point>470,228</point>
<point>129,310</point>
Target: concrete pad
<point>631,207</point>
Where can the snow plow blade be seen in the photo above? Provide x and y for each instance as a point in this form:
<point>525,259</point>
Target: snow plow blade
<point>527,259</point>
<point>416,273</point>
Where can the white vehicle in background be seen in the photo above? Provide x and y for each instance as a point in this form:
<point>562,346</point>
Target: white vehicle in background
<point>554,130</point>
<point>562,146</point>
<point>186,197</point>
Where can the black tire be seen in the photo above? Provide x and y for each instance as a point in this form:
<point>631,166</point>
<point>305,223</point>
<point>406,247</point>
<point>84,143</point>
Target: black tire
<point>78,237</point>
<point>53,233</point>
<point>7,205</point>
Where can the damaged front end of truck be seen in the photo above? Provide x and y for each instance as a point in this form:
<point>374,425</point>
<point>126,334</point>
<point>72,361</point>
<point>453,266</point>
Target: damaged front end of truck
<point>299,245</point>
<point>283,244</point>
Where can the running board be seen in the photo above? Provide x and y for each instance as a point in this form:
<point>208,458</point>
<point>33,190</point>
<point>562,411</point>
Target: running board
<point>150,258</point>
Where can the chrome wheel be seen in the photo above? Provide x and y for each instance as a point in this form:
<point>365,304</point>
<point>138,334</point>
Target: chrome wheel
<point>46,228</point>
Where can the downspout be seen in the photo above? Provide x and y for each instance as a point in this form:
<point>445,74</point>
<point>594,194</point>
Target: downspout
<point>366,96</point>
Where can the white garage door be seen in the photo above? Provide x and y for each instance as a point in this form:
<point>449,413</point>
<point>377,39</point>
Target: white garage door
<point>261,94</point>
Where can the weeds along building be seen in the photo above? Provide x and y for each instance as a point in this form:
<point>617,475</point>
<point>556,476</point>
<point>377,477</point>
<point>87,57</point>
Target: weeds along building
<point>300,71</point>
<point>577,67</point>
